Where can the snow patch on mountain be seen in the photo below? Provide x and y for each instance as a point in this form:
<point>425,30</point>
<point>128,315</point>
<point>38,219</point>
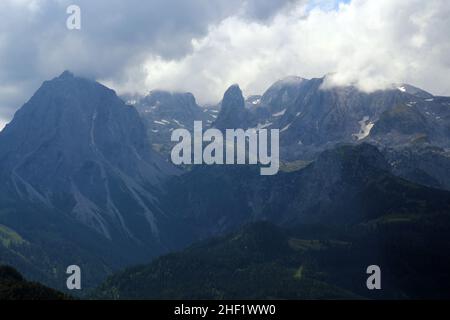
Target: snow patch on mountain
<point>286,127</point>
<point>178,123</point>
<point>365,128</point>
<point>264,125</point>
<point>279,114</point>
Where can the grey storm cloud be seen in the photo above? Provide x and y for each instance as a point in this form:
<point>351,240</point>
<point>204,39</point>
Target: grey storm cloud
<point>203,46</point>
<point>36,45</point>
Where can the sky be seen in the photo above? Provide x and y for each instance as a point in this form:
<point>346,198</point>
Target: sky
<point>203,46</point>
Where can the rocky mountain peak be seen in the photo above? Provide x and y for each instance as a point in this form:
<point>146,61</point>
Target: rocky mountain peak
<point>233,98</point>
<point>93,156</point>
<point>66,75</point>
<point>233,113</point>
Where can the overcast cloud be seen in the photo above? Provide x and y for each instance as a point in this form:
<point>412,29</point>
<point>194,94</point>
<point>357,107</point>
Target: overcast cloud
<point>203,46</point>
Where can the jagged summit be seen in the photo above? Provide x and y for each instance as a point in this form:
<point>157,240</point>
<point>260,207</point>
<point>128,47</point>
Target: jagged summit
<point>164,111</point>
<point>66,75</point>
<point>292,80</point>
<point>233,113</point>
<point>94,160</point>
<point>281,92</point>
<point>407,88</point>
<point>233,98</point>
<point>169,99</point>
<point>234,86</point>
<point>77,112</point>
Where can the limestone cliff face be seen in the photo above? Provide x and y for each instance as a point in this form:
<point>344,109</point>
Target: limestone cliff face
<point>77,148</point>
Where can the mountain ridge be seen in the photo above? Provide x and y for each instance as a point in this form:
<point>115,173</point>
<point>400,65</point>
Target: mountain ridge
<point>77,167</point>
<point>83,185</point>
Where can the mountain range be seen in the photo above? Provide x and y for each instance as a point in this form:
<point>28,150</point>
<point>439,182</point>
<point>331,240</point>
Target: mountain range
<point>407,124</point>
<point>87,180</point>
<point>81,182</point>
<point>345,185</point>
<point>164,111</point>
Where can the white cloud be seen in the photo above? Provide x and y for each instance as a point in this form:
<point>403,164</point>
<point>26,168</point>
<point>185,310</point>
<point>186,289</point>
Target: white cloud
<point>115,35</point>
<point>367,43</point>
<point>204,47</point>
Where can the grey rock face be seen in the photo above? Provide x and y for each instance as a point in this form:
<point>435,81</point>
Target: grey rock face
<point>164,112</point>
<point>312,118</point>
<point>282,93</point>
<point>320,118</point>
<point>253,102</point>
<point>75,147</point>
<point>421,163</point>
<point>233,113</point>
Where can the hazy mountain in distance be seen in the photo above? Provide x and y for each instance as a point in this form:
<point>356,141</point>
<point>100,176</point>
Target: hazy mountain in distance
<point>164,111</point>
<point>346,184</point>
<point>76,162</point>
<point>312,118</point>
<point>281,93</point>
